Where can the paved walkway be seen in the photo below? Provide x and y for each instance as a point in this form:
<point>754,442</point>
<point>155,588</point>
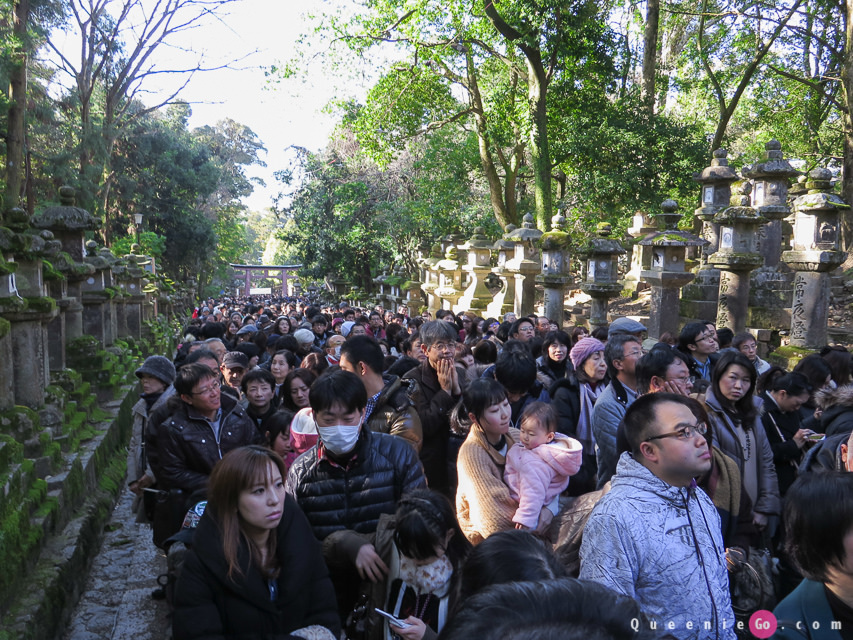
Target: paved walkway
<point>117,602</point>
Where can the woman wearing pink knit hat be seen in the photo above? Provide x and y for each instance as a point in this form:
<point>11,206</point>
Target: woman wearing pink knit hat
<point>573,399</point>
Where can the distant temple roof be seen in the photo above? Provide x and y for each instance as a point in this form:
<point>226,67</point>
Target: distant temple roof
<point>265,266</point>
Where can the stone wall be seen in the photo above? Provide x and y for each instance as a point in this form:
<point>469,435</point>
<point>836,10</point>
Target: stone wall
<point>75,322</point>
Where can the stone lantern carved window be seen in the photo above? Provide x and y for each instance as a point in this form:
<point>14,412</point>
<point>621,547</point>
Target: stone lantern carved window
<point>708,195</point>
<point>726,238</point>
<point>758,194</point>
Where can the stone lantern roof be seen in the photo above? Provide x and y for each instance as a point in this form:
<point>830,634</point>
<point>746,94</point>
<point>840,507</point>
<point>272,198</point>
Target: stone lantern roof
<point>527,233</point>
<point>478,240</point>
<point>774,167</point>
<point>669,235</point>
<point>66,216</point>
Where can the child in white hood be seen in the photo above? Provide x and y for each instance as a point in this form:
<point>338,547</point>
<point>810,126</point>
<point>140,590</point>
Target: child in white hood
<point>538,467</point>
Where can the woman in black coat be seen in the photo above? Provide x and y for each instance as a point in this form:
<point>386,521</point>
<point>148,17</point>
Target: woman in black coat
<point>783,396</point>
<point>255,570</point>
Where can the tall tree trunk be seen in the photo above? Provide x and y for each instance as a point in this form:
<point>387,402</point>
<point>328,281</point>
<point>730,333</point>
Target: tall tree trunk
<point>650,54</point>
<point>18,108</point>
<point>540,153</point>
<point>847,121</point>
<point>496,189</point>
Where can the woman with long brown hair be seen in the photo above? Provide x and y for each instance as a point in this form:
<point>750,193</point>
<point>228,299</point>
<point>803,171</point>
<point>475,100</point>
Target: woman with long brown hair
<point>255,569</point>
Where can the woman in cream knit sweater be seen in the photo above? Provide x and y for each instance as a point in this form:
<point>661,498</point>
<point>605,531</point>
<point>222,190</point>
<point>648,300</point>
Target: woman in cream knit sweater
<point>483,502</point>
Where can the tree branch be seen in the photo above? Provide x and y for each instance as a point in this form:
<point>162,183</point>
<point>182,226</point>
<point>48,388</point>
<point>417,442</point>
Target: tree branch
<point>811,84</point>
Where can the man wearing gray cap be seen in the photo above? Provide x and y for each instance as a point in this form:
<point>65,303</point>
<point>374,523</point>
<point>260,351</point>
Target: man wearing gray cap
<point>626,325</point>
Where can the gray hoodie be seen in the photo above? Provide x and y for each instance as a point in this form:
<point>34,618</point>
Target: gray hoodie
<point>641,540</point>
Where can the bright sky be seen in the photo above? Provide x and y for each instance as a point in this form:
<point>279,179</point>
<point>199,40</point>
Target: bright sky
<point>283,115</point>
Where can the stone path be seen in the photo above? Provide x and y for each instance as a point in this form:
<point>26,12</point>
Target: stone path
<point>117,602</point>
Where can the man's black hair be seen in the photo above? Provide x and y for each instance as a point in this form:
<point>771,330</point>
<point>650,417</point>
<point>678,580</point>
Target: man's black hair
<point>337,387</point>
<point>363,349</point>
<point>516,371</point>
<point>818,518</point>
<point>654,364</point>
<point>641,416</point>
<point>689,333</point>
<point>200,354</point>
<point>256,375</point>
<point>189,376</point>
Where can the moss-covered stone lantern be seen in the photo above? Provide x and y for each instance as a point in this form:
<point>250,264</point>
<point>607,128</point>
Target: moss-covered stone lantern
<point>431,278</point>
<point>525,264</point>
<point>699,298</point>
<point>479,250</point>
<point>601,272</point>
<point>667,272</point>
<point>449,288</point>
<point>504,299</point>
<point>816,251</point>
<point>555,276</point>
<point>736,256</point>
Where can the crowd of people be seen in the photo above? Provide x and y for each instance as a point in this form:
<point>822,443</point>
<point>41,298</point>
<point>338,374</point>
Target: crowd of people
<point>329,471</point>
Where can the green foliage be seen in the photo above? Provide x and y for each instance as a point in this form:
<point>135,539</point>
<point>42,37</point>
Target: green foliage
<point>619,163</point>
<point>151,243</point>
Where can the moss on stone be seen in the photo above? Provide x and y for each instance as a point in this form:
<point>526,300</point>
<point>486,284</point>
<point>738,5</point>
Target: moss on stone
<point>41,304</point>
<point>5,327</point>
<point>50,273</point>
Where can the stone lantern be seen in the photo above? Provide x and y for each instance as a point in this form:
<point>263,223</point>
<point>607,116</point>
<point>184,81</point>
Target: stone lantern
<point>525,264</point>
<point>667,272</point>
<point>770,182</point>
<point>601,279</point>
<point>555,276</point>
<point>816,251</point>
<point>449,288</point>
<point>699,298</point>
<point>479,251</point>
<point>771,292</point>
<point>431,278</point>
<point>641,256</point>
<point>736,257</point>
<point>68,223</point>
<point>505,298</point>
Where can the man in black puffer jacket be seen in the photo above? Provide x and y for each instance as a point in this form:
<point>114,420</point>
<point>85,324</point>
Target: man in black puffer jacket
<point>204,426</point>
<point>350,478</point>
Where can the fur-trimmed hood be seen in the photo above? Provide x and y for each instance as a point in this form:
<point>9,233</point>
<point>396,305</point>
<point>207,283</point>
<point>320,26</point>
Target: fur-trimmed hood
<point>827,398</point>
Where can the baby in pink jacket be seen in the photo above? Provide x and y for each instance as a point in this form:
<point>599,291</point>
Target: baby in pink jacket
<point>538,467</point>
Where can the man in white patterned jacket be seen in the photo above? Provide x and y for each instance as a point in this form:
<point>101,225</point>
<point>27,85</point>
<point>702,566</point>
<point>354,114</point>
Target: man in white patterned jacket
<point>656,536</point>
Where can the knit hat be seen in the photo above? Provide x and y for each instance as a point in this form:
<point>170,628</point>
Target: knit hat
<point>304,336</point>
<point>158,367</point>
<point>346,327</point>
<point>235,359</point>
<point>583,350</point>
<point>625,325</point>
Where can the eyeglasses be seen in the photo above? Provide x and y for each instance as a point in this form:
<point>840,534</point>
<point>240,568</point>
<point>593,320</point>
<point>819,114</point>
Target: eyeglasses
<point>206,390</point>
<point>634,354</point>
<point>683,380</point>
<point>443,346</point>
<point>686,432</point>
<point>707,336</point>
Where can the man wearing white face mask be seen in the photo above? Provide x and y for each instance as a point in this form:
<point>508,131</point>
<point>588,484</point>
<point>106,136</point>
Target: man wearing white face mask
<point>350,478</point>
<point>389,408</point>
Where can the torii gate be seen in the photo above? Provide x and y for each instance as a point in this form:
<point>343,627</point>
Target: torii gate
<point>254,271</point>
